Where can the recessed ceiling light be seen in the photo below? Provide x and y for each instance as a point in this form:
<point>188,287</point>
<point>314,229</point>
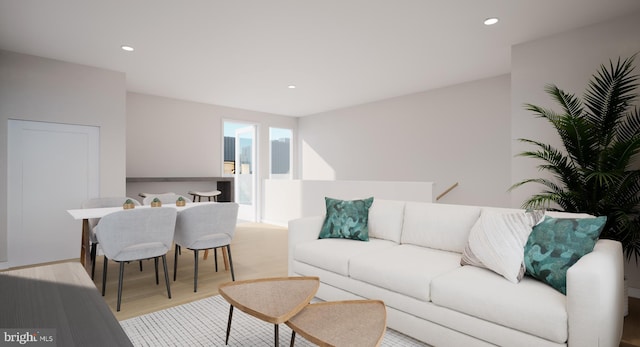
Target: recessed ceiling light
<point>291,86</point>
<point>491,21</point>
<point>127,48</point>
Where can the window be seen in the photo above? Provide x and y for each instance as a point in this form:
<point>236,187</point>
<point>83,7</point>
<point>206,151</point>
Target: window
<point>280,151</point>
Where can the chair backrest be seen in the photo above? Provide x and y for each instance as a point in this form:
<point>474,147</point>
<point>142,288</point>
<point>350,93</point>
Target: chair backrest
<point>195,223</point>
<point>114,201</point>
<point>167,198</point>
<point>137,233</point>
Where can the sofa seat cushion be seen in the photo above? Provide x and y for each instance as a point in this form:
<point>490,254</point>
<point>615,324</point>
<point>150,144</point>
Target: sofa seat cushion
<point>529,306</point>
<point>405,269</point>
<point>334,254</point>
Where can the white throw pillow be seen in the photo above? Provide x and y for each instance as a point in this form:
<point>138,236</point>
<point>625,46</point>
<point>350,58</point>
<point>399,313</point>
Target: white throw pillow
<point>497,240</point>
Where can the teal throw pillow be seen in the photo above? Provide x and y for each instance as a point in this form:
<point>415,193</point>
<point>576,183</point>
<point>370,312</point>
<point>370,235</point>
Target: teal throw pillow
<point>555,244</point>
<point>346,219</point>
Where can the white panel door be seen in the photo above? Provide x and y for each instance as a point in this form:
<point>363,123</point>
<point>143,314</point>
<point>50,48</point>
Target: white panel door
<point>52,168</point>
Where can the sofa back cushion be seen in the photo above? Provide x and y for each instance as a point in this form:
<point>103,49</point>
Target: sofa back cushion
<point>438,226</point>
<point>386,219</point>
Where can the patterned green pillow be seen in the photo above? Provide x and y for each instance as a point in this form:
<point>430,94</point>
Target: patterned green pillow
<point>346,219</point>
<point>555,244</point>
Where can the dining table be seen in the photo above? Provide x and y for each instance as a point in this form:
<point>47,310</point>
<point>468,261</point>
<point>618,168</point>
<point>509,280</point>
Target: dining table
<point>85,214</point>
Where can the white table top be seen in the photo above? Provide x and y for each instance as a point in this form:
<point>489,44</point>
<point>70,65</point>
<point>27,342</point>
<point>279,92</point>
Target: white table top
<point>86,213</point>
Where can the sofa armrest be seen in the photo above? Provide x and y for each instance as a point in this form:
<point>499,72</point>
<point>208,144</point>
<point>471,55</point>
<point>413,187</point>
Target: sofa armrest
<point>595,297</point>
<point>302,230</point>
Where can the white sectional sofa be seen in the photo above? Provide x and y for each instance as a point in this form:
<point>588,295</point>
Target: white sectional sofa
<point>412,263</point>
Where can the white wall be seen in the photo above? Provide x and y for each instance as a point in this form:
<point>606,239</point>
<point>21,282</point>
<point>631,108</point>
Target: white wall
<point>567,60</point>
<point>176,138</point>
<point>39,89</point>
<point>455,134</point>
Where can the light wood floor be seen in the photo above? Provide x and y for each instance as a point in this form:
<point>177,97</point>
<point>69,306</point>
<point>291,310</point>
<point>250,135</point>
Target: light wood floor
<point>257,250</point>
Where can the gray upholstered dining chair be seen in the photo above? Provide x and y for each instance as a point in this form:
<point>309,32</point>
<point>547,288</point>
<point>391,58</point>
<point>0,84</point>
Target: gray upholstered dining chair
<point>166,198</point>
<point>203,227</point>
<point>136,234</point>
<point>98,203</point>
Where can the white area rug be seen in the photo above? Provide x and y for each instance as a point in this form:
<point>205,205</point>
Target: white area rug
<point>204,323</point>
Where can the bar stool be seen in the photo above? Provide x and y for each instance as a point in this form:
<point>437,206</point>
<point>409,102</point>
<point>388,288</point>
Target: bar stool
<point>212,194</point>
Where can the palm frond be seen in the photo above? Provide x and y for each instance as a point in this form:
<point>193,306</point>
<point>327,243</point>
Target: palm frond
<point>578,140</point>
<point>618,156</point>
<point>554,193</point>
<point>558,163</point>
<point>609,94</point>
<point>542,112</point>
<point>569,102</point>
<point>629,127</point>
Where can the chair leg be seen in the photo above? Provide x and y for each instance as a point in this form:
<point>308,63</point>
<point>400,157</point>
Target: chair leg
<point>155,262</point>
<point>233,276</point>
<point>215,257</point>
<point>166,274</point>
<point>175,263</point>
<point>120,278</point>
<point>94,247</point>
<point>104,274</point>
<point>140,261</point>
<point>195,271</point>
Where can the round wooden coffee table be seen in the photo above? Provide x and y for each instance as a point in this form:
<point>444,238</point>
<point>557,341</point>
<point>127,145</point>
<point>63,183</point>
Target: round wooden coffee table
<point>349,323</point>
<point>273,300</point>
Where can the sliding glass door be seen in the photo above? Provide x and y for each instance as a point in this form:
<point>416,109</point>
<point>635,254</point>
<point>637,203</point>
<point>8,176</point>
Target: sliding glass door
<point>240,144</point>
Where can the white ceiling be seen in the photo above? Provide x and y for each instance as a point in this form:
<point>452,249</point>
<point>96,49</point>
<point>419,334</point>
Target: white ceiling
<point>245,53</point>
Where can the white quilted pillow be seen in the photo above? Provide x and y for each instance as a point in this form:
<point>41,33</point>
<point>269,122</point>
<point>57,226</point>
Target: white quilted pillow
<point>497,240</point>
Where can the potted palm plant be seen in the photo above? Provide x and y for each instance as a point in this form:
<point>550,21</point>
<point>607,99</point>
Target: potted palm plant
<point>597,170</point>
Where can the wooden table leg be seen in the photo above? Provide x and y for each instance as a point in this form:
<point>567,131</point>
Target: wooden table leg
<point>225,258</point>
<point>85,254</point>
